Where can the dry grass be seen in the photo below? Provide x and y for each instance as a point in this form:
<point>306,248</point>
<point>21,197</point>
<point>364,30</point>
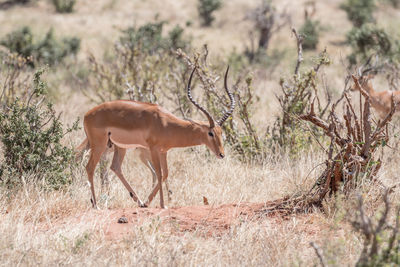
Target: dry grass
<point>56,228</point>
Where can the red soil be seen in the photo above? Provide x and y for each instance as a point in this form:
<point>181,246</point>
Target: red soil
<point>210,220</point>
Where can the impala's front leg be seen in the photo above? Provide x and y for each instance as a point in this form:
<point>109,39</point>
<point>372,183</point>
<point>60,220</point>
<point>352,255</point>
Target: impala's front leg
<point>164,166</point>
<point>155,158</point>
<point>145,157</point>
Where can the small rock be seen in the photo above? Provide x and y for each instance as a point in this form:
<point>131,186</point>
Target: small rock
<point>205,200</point>
<point>123,220</point>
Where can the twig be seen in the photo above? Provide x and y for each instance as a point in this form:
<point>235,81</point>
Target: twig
<point>299,40</point>
<point>319,253</point>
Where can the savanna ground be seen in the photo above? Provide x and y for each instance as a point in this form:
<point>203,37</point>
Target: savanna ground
<point>39,227</point>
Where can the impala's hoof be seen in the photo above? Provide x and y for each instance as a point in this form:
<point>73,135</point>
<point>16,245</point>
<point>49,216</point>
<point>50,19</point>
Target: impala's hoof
<point>94,205</point>
<point>142,205</point>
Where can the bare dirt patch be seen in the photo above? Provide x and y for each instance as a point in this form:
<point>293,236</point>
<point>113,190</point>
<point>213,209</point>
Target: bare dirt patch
<point>205,220</point>
<point>212,220</point>
<point>208,219</point>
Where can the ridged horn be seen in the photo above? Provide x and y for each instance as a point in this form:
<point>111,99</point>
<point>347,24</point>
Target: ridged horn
<point>189,94</point>
<point>231,98</point>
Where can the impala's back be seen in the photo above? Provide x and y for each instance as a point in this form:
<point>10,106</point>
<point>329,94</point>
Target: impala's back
<point>125,122</point>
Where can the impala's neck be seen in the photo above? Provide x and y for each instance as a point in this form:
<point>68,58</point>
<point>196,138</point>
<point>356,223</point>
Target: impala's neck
<point>188,133</point>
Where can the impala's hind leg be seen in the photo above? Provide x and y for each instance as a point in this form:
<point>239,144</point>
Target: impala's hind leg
<point>95,155</point>
<point>104,171</point>
<point>119,154</point>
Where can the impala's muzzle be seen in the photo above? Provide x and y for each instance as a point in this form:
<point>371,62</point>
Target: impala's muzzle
<point>221,156</point>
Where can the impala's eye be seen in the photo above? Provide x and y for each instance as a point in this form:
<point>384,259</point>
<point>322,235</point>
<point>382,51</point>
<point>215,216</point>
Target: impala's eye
<point>211,134</point>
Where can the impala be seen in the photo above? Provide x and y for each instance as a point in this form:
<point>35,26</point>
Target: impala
<point>131,124</point>
<point>380,101</point>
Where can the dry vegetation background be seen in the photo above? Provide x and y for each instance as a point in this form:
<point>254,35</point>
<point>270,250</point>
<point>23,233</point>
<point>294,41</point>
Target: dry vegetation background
<point>42,227</point>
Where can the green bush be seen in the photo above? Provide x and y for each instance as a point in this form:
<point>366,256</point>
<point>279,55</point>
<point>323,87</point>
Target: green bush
<point>366,38</point>
<point>310,32</point>
<point>369,40</point>
<point>394,3</point>
<point>149,38</point>
<point>64,6</point>
<point>359,12</point>
<point>206,9</point>
<point>10,3</point>
<point>176,38</point>
<point>31,134</point>
<point>20,41</point>
<point>48,50</point>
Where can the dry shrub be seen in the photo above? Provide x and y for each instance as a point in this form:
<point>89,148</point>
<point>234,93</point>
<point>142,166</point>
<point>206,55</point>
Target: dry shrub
<point>351,155</point>
<point>355,140</point>
<point>297,92</point>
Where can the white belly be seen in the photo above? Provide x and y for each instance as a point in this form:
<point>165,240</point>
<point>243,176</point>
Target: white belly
<point>127,139</point>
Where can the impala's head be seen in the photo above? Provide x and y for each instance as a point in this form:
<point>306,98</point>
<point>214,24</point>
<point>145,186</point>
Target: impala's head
<point>362,80</point>
<point>212,131</point>
<point>213,140</point>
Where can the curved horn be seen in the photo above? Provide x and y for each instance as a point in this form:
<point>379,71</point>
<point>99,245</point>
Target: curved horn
<point>231,98</point>
<point>360,72</point>
<point>210,119</point>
